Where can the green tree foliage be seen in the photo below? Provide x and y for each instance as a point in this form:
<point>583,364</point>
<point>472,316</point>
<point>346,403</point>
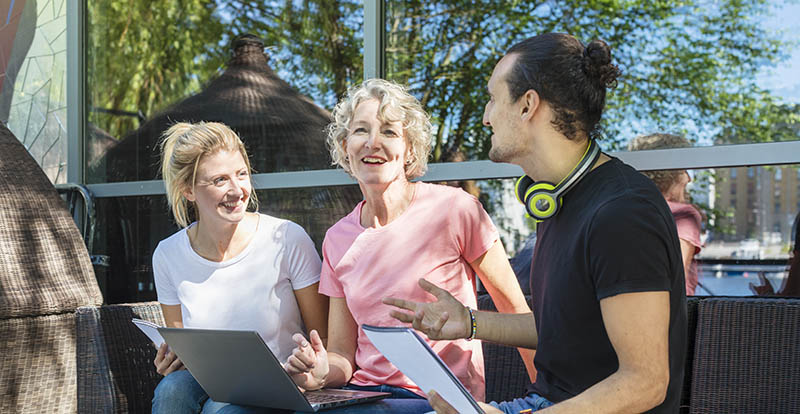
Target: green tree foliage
<point>315,45</point>
<point>142,56</point>
<point>687,65</point>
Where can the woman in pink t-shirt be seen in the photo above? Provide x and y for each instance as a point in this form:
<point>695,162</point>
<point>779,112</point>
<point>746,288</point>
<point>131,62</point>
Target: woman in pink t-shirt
<point>672,183</point>
<point>400,233</point>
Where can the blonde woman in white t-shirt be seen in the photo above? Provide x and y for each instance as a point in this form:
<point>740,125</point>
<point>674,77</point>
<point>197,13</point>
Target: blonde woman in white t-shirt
<point>227,268</point>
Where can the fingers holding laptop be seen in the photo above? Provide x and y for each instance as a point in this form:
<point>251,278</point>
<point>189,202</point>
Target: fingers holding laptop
<point>166,361</point>
<point>445,318</point>
<point>308,363</point>
<point>439,404</point>
<point>443,407</point>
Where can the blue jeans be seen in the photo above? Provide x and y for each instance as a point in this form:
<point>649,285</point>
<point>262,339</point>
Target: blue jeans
<point>402,401</point>
<point>179,393</point>
<point>532,401</point>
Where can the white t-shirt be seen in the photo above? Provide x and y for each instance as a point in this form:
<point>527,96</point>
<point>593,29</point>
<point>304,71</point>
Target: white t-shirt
<point>252,291</point>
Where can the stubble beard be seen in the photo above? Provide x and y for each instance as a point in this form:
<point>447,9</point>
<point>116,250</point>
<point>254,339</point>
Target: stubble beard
<point>500,154</point>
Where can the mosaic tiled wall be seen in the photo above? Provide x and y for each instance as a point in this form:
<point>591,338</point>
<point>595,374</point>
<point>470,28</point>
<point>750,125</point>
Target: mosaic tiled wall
<point>35,66</point>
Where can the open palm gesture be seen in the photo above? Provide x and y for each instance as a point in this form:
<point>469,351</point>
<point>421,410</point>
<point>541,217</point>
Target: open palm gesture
<point>445,318</point>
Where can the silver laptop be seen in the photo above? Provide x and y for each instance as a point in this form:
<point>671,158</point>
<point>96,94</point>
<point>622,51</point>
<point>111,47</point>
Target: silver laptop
<point>238,367</point>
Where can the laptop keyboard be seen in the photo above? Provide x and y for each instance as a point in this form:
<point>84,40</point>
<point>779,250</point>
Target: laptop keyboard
<point>321,397</point>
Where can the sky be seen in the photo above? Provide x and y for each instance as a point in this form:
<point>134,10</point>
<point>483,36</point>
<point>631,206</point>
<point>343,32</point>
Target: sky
<point>784,79</point>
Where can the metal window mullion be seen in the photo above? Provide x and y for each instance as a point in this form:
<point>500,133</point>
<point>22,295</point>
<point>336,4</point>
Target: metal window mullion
<point>724,156</point>
<point>76,92</point>
<point>374,39</point>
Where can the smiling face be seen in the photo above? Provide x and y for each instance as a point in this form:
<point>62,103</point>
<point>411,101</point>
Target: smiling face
<point>377,150</point>
<point>222,187</point>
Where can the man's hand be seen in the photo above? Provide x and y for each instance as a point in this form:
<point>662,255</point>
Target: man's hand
<point>446,318</point>
<point>308,363</point>
<point>443,407</point>
<point>166,361</point>
<point>764,289</point>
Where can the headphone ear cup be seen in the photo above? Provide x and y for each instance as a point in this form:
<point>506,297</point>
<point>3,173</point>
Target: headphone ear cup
<point>541,200</point>
<point>521,187</point>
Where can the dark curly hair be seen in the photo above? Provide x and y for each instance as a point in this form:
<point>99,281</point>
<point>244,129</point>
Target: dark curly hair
<point>571,78</point>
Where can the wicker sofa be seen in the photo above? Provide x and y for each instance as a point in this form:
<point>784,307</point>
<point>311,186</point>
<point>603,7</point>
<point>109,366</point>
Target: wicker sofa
<point>63,352</point>
<point>744,355</point>
<point>115,360</point>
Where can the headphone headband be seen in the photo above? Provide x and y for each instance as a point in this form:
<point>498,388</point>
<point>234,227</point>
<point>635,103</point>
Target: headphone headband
<point>542,200</point>
<point>587,161</point>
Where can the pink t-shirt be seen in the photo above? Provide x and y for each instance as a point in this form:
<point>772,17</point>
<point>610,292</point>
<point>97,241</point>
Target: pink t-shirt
<point>688,221</point>
<point>441,232</point>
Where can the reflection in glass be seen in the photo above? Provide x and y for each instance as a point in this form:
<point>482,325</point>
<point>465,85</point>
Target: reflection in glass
<point>129,229</point>
<point>199,65</point>
<point>33,98</point>
<point>740,246</point>
<point>745,242</point>
<point>282,130</point>
<point>753,237</point>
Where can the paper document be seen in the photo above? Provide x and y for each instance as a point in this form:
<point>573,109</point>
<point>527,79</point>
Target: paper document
<point>414,358</point>
<point>151,330</point>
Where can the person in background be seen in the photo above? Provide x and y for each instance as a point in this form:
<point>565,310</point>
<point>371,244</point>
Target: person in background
<point>672,184</point>
<point>791,285</point>
<point>402,231</point>
<point>227,268</point>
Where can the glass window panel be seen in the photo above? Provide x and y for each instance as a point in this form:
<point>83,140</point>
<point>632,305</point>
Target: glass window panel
<point>33,99</point>
<point>748,240</point>
<point>745,239</point>
<point>684,69</point>
<point>129,229</point>
<point>275,89</point>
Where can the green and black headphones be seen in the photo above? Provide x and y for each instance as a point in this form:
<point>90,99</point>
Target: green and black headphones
<point>542,199</point>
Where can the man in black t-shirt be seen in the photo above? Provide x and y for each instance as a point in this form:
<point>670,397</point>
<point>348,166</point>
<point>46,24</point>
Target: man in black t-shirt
<point>607,283</point>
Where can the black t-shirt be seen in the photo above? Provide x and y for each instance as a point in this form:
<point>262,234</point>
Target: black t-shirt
<point>614,234</point>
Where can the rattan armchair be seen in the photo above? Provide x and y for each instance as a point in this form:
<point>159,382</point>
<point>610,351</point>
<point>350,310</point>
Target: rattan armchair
<point>115,360</point>
<point>506,376</point>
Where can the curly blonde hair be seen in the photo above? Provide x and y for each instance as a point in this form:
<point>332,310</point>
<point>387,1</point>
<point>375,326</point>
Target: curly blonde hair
<point>396,105</point>
<point>182,146</point>
<point>664,179</point>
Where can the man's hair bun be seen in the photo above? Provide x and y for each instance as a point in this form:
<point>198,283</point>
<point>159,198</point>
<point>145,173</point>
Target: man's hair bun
<point>598,66</point>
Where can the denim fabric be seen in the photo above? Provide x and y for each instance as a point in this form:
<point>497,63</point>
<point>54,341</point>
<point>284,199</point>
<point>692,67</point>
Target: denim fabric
<point>179,393</point>
<point>402,401</point>
<point>240,409</point>
<point>532,401</point>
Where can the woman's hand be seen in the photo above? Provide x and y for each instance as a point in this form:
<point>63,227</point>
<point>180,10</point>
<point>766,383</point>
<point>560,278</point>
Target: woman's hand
<point>443,407</point>
<point>166,361</point>
<point>308,364</point>
<point>446,318</point>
